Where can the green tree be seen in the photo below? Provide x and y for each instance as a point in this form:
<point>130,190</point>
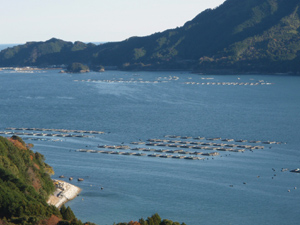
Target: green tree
<point>63,209</point>
<point>156,219</point>
<point>67,213</point>
<point>77,68</point>
<point>143,222</point>
<point>150,221</point>
<point>166,222</point>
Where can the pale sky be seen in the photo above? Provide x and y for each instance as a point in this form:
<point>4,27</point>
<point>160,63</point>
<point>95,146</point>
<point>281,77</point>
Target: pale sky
<point>93,20</point>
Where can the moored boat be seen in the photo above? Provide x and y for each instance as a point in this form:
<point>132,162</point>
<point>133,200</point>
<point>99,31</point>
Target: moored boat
<point>296,170</point>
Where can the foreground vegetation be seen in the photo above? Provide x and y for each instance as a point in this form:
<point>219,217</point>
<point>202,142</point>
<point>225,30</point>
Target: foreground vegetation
<point>25,186</point>
<point>153,220</point>
<point>238,36</point>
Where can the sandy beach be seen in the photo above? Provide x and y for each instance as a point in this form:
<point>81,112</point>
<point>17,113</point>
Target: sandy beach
<point>64,192</point>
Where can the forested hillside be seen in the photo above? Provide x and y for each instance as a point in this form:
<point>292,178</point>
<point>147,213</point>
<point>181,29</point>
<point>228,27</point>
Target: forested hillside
<point>51,52</point>
<point>25,185</point>
<point>238,36</point>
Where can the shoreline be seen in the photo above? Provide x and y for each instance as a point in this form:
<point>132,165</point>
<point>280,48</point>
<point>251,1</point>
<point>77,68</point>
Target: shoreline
<point>208,72</point>
<point>200,72</point>
<point>64,192</point>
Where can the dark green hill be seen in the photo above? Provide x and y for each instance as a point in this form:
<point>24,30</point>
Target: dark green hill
<point>51,52</point>
<point>271,41</point>
<point>238,36</point>
<point>25,185</point>
<point>239,32</point>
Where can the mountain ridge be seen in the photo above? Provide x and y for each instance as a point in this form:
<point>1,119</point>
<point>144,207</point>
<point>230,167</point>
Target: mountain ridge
<point>238,36</point>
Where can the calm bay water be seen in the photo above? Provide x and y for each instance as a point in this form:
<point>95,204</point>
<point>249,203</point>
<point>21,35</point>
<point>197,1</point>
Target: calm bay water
<point>191,191</point>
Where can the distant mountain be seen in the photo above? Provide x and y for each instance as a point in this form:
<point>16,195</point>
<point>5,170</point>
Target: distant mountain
<point>238,36</point>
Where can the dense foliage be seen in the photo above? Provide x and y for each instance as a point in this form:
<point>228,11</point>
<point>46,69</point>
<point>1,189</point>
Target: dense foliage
<point>153,220</point>
<point>51,52</point>
<point>25,185</point>
<point>239,35</point>
<point>77,68</point>
<point>274,49</point>
<point>67,213</point>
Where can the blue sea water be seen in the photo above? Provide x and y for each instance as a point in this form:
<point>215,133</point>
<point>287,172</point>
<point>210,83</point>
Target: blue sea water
<point>233,188</point>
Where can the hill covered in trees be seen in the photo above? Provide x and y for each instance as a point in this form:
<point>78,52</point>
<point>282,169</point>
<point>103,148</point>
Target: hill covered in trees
<point>155,219</point>
<point>238,36</point>
<point>51,52</point>
<point>25,185</point>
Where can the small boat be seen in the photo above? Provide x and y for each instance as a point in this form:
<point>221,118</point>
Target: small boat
<point>139,154</point>
<point>269,142</point>
<point>70,178</point>
<point>61,176</point>
<point>199,138</point>
<point>154,155</point>
<point>296,170</point>
<point>254,141</point>
<point>80,179</point>
<point>228,139</point>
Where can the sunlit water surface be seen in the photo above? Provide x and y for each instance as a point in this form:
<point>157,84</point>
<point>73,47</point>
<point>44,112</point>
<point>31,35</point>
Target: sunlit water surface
<point>233,188</point>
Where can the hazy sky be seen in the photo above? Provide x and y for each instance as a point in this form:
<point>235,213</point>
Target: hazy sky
<point>93,20</point>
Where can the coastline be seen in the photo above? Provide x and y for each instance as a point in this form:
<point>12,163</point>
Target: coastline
<point>208,72</point>
<point>64,192</point>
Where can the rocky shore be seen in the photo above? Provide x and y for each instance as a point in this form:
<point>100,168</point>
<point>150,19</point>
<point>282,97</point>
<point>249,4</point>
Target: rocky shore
<point>64,192</point>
